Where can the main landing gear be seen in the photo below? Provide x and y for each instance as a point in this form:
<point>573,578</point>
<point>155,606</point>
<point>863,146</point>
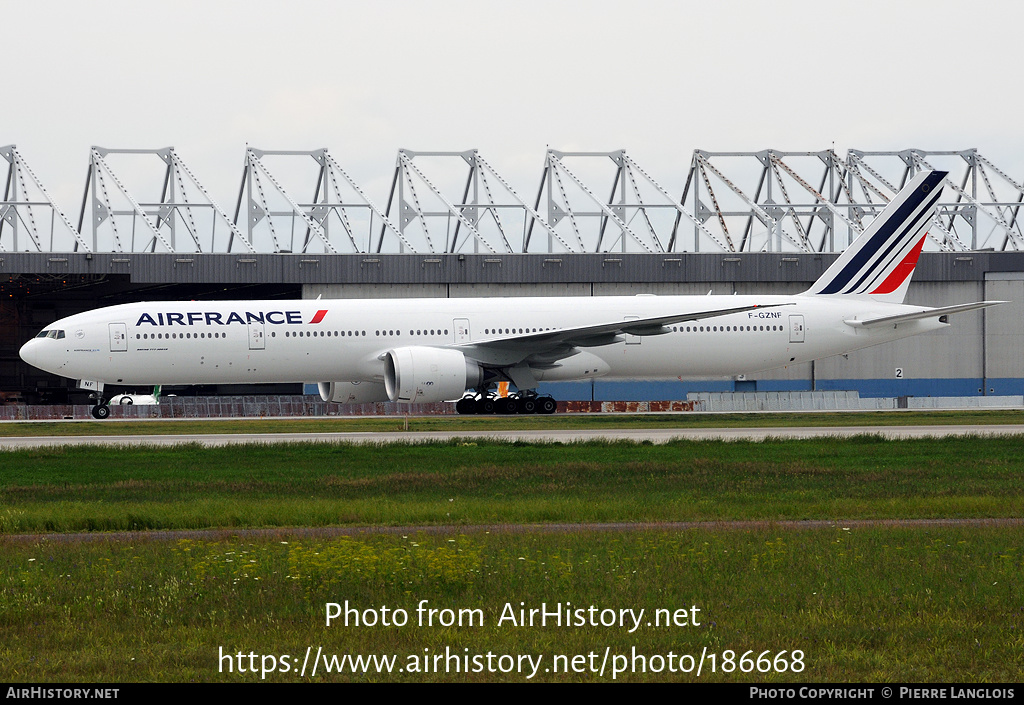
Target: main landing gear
<point>522,403</point>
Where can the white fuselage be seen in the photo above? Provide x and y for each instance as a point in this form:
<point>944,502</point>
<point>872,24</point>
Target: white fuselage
<point>228,342</point>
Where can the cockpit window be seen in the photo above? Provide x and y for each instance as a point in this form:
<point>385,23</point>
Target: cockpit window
<point>55,334</point>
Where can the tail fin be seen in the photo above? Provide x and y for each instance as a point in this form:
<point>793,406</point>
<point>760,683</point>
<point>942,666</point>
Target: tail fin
<point>878,265</point>
<point>156,392</point>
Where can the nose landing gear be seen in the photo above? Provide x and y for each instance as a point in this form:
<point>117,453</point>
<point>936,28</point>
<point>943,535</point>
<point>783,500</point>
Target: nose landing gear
<point>101,410</point>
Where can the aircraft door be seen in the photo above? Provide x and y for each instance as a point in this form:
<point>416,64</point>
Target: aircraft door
<point>118,337</point>
<point>632,339</point>
<point>256,335</point>
<point>796,329</point>
<point>461,328</point>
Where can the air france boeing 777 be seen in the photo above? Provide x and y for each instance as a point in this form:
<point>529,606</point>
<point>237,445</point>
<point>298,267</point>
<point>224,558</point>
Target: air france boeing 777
<point>429,350</point>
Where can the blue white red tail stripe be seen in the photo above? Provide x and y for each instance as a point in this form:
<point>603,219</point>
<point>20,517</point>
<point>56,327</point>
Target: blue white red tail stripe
<point>903,235</point>
<point>879,264</point>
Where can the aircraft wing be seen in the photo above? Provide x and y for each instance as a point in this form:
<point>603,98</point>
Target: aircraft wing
<point>553,345</point>
<point>917,315</point>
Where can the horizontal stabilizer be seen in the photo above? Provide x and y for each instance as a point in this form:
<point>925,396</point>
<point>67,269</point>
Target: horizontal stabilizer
<point>917,315</point>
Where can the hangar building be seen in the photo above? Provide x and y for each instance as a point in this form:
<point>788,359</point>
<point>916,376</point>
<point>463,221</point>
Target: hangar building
<point>762,222</point>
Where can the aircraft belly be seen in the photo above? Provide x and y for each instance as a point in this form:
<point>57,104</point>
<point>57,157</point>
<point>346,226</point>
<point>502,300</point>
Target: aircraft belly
<point>214,365</point>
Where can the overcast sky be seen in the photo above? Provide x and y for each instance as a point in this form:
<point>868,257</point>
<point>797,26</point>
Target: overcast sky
<point>658,78</point>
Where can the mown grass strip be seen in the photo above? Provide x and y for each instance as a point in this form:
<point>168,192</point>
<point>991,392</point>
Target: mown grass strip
<point>87,488</point>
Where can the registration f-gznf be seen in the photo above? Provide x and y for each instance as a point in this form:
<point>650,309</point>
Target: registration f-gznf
<point>430,350</point>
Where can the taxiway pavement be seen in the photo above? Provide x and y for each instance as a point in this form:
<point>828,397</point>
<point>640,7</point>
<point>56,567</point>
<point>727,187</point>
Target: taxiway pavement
<point>533,436</point>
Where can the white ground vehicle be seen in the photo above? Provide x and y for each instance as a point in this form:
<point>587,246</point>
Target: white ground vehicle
<point>134,399</point>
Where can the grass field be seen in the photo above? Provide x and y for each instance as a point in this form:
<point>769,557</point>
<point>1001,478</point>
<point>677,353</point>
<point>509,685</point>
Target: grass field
<point>860,603</point>
<point>870,604</point>
<point>93,488</point>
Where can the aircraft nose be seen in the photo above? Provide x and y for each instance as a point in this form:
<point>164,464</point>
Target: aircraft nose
<point>33,352</point>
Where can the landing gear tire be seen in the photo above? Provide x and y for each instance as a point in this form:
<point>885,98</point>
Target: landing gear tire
<point>100,411</point>
<point>485,405</point>
<point>507,405</point>
<point>546,405</point>
<point>527,405</point>
<point>466,405</point>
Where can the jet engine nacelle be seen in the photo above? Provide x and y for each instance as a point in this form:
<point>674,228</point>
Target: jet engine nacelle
<point>423,375</point>
<point>352,392</point>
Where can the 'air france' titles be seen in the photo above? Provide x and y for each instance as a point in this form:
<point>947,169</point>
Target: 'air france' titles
<point>210,318</point>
